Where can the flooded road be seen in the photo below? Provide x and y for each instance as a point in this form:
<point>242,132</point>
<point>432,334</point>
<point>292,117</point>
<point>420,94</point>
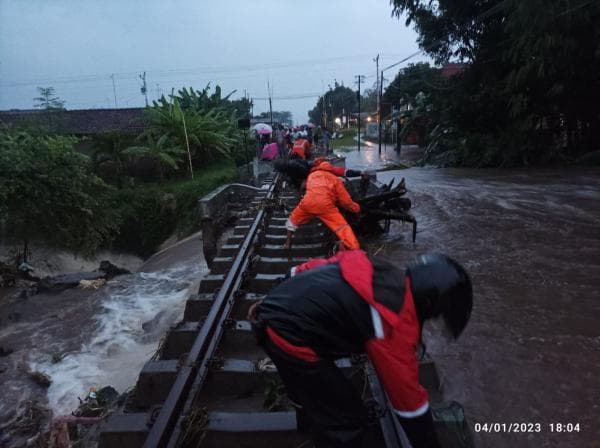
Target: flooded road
<point>531,353</point>
<point>531,242</point>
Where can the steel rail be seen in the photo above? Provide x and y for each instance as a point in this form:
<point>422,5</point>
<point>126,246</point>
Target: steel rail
<point>205,342</point>
<point>166,430</point>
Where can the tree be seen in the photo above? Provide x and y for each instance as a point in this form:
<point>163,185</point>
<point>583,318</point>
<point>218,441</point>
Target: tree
<point>282,117</point>
<point>531,82</point>
<point>338,100</point>
<point>109,155</point>
<point>161,151</point>
<point>50,194</point>
<point>48,100</point>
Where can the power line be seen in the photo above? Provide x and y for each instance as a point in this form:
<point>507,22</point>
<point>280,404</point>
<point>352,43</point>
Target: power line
<point>170,72</point>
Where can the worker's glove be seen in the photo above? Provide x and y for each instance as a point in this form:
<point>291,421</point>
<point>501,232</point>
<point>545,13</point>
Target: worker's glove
<point>352,173</point>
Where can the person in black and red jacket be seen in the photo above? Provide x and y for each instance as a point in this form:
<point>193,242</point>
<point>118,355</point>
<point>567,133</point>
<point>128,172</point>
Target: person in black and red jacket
<point>351,303</point>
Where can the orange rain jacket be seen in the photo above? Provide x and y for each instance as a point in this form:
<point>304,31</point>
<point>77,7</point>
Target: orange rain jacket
<point>300,149</point>
<point>324,192</point>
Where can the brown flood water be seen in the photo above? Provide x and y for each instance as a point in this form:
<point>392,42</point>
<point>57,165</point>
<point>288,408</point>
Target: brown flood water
<point>531,242</point>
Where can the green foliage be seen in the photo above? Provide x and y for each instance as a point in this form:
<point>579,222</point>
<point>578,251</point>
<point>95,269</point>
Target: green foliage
<point>337,100</point>
<point>209,121</point>
<point>48,100</point>
<point>203,100</point>
<point>147,219</point>
<point>49,193</point>
<point>109,155</point>
<point>530,91</point>
<point>150,214</point>
<point>279,116</point>
<point>162,152</point>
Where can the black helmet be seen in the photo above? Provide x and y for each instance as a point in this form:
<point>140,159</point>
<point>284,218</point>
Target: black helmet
<point>441,286</point>
<point>296,170</point>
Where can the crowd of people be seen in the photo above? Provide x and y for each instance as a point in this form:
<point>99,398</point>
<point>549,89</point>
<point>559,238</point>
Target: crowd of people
<point>351,303</point>
<point>283,139</point>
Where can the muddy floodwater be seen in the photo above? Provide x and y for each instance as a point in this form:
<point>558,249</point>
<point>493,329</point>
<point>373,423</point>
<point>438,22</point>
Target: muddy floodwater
<point>531,242</point>
<point>531,353</point>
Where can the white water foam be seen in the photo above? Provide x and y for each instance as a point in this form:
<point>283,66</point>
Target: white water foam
<point>137,310</point>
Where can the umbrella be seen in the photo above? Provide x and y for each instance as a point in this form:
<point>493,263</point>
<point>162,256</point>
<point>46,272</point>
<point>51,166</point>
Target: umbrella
<point>262,128</point>
<point>312,125</point>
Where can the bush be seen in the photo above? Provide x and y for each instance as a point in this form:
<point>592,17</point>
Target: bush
<point>152,213</point>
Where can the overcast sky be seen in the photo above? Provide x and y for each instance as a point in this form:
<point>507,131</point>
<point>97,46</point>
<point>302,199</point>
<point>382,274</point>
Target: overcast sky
<point>299,47</point>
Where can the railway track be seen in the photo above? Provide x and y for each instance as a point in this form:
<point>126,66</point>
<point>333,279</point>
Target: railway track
<point>209,385</point>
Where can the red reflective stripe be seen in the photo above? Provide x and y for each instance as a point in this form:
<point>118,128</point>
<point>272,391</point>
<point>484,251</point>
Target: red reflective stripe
<point>304,353</point>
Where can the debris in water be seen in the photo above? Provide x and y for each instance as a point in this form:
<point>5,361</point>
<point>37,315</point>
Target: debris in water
<point>29,419</point>
<point>40,378</point>
<point>58,357</point>
<point>92,284</point>
<point>97,403</point>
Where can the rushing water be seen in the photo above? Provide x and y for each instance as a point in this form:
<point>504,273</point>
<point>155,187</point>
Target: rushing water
<point>83,339</point>
<point>531,242</point>
<point>135,311</point>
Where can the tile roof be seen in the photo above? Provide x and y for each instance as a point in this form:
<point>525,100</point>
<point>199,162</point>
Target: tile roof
<point>80,122</point>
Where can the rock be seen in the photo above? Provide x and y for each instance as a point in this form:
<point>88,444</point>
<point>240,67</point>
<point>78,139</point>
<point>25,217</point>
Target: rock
<point>111,270</point>
<point>92,284</point>
<point>5,351</point>
<point>59,283</point>
<point>40,378</point>
<point>107,395</point>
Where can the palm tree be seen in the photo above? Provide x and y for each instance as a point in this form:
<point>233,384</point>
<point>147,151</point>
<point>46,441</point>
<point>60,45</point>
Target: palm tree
<point>161,151</point>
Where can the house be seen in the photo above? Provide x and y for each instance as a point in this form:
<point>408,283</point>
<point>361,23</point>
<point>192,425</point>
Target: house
<point>453,68</point>
<point>81,123</point>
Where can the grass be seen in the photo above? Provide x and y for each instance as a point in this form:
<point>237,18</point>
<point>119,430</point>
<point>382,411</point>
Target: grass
<point>347,142</point>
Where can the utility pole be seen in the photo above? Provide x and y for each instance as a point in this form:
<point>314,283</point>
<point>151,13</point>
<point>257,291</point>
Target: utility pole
<point>358,120</point>
<point>376,59</point>
<point>270,103</point>
<point>379,95</point>
<point>144,89</point>
<point>114,89</point>
<point>331,117</point>
<point>323,112</point>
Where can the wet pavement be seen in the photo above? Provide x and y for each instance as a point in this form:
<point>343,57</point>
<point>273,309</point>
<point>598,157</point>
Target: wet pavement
<point>531,242</point>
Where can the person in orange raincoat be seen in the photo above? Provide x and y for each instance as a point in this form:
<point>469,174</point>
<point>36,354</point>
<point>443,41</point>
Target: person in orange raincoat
<point>301,149</point>
<point>324,192</point>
